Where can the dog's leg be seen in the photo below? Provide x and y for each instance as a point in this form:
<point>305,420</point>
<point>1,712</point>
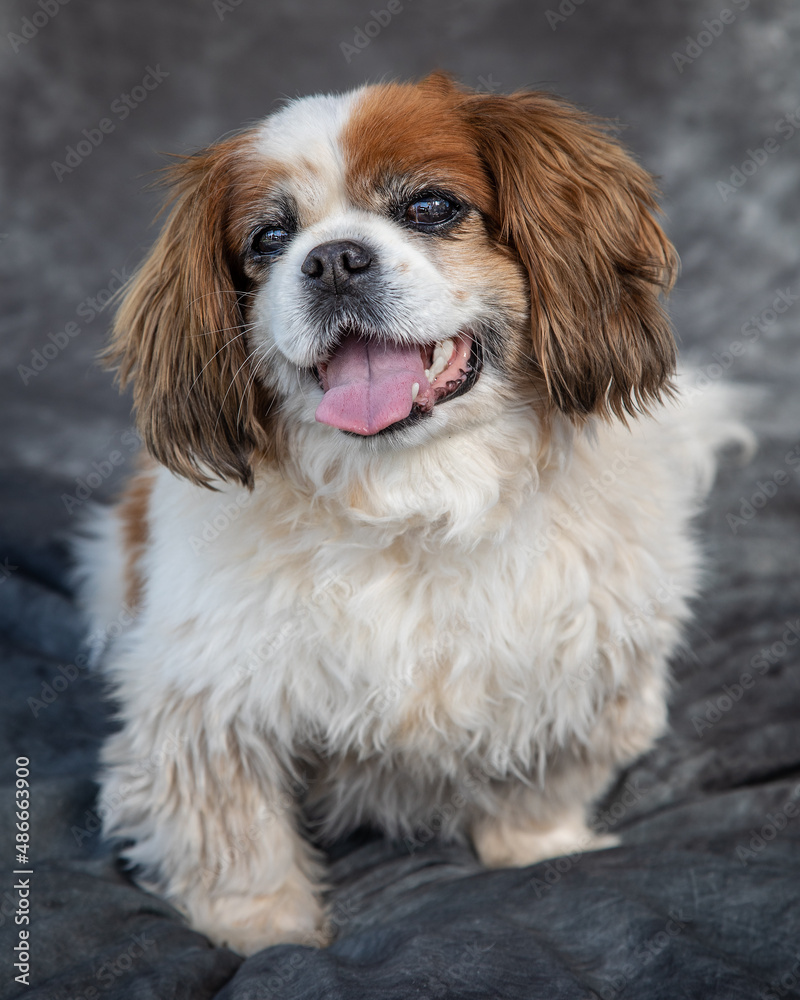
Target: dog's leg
<point>213,826</point>
<point>517,824</point>
<point>506,841</point>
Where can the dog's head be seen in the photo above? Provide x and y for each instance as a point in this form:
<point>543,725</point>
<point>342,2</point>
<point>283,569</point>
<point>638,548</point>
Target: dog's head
<point>398,262</point>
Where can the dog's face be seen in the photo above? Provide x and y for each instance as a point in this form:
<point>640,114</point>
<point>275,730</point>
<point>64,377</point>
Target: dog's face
<point>380,302</point>
<point>396,263</point>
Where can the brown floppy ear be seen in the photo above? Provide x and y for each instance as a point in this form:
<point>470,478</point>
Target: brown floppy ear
<point>178,335</point>
<point>579,214</point>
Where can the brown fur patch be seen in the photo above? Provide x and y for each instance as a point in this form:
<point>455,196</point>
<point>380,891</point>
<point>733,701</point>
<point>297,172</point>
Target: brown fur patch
<point>579,212</point>
<point>132,511</point>
<point>413,132</point>
<point>177,333</point>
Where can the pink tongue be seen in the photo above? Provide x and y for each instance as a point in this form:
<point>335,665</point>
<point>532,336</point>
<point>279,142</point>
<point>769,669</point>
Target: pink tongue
<point>370,384</point>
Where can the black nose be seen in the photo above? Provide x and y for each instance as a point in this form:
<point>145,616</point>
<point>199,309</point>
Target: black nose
<point>337,266</point>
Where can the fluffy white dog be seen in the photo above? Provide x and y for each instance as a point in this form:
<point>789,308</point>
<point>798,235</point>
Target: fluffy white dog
<point>412,339</point>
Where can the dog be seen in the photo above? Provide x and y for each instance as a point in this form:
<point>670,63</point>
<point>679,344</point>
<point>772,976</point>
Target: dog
<point>412,538</point>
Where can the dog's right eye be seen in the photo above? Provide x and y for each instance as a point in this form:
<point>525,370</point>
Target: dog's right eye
<point>429,211</point>
<point>269,242</point>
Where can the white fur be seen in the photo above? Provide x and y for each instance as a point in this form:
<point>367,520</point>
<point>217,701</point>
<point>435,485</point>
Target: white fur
<point>98,577</point>
<point>306,131</point>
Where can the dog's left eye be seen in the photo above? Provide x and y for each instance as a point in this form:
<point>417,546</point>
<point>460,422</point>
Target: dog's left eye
<point>431,210</point>
<point>270,241</point>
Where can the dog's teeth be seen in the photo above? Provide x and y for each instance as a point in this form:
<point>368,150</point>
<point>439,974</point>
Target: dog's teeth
<point>429,375</point>
<point>414,391</point>
<point>442,350</point>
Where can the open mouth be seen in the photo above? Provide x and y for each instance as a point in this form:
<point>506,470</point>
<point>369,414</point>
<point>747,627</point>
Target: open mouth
<point>374,385</point>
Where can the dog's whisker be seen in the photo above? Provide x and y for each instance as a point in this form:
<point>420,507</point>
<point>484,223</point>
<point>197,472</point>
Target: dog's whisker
<point>245,327</point>
<point>214,355</point>
<point>250,381</point>
<point>220,291</point>
<point>233,380</point>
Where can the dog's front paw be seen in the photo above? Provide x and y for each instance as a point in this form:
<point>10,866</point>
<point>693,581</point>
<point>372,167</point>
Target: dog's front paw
<point>246,924</point>
<point>500,844</point>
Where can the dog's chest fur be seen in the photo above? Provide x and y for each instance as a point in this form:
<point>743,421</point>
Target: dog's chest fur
<point>386,630</point>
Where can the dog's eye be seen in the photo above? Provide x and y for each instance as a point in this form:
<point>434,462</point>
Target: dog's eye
<point>431,210</point>
<point>270,241</point>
